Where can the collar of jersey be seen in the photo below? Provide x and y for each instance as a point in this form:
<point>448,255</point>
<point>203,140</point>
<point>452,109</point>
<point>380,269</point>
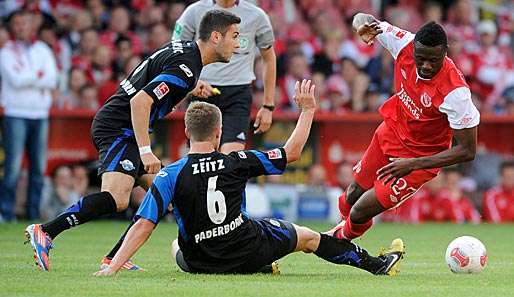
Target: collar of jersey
<point>428,80</point>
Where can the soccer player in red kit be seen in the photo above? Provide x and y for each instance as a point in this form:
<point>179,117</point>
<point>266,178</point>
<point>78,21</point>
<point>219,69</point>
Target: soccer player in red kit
<point>432,103</point>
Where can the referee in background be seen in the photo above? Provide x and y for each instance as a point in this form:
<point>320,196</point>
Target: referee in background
<point>233,80</point>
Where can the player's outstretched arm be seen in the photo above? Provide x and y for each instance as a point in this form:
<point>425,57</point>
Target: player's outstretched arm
<point>136,237</point>
<point>140,107</point>
<point>304,98</point>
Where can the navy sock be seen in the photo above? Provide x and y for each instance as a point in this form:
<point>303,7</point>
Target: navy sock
<point>88,208</point>
<point>344,252</point>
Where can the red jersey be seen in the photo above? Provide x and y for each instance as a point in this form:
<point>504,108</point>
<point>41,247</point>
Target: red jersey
<point>423,112</point>
<point>498,205</point>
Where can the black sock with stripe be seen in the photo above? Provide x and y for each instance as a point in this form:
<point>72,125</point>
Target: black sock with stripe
<point>344,252</point>
<point>88,208</point>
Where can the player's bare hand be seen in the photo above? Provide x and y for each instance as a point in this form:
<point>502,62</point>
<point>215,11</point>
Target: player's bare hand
<point>202,90</point>
<point>263,120</point>
<point>398,168</point>
<point>105,272</point>
<point>369,31</point>
<point>304,95</point>
<point>151,162</point>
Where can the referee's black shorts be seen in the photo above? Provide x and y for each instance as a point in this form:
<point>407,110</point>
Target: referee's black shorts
<point>235,104</point>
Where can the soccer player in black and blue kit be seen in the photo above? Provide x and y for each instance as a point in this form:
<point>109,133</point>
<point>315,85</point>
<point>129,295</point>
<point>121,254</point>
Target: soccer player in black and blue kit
<point>120,129</point>
<point>206,191</point>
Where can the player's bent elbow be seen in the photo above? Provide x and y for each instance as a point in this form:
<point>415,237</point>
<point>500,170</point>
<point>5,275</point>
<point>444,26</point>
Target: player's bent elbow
<point>292,156</point>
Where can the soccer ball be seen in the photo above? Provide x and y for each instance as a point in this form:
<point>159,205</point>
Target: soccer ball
<point>466,254</point>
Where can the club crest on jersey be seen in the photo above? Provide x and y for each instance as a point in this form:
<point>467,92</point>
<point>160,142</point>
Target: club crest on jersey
<point>274,154</point>
<point>127,165</point>
<point>426,100</point>
<point>161,90</point>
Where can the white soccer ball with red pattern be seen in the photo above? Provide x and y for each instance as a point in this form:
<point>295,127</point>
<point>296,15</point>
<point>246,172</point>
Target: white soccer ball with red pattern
<point>466,254</point>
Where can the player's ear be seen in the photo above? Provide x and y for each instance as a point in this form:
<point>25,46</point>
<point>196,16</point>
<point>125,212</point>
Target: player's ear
<point>216,37</point>
<point>187,133</point>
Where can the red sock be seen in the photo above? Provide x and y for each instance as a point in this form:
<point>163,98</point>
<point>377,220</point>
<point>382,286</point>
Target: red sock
<point>352,230</point>
<point>344,207</point>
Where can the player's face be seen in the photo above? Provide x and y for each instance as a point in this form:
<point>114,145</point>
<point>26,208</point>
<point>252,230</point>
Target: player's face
<point>429,59</point>
<point>229,43</point>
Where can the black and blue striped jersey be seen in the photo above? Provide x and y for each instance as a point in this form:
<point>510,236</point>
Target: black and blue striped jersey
<point>167,75</point>
<point>207,193</point>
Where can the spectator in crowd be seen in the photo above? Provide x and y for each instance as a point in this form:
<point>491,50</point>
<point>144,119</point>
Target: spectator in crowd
<point>338,95</point>
<point>317,176</point>
<point>344,175</point>
<point>70,98</point>
<point>29,75</point>
<point>173,12</point>
<point>80,180</point>
<point>328,60</point>
<point>119,24</point>
<point>298,68</point>
<point>461,18</point>
<point>358,83</point>
<point>498,202</point>
<point>62,193</point>
<point>88,98</point>
<point>99,13</point>
<point>494,67</point>
<point>83,58</point>
<point>102,65</point>
<point>158,36</point>
<point>123,53</point>
<point>432,11</point>
<point>80,22</point>
<point>451,204</point>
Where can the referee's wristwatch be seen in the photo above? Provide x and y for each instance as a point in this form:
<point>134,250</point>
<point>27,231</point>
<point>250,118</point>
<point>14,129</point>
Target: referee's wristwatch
<point>269,107</point>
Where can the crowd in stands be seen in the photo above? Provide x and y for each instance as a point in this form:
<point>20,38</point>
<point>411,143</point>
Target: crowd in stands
<point>98,43</point>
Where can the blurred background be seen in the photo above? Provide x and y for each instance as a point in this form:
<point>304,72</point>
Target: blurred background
<point>98,43</point>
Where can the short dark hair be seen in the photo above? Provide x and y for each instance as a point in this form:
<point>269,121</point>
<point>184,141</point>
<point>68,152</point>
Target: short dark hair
<point>432,34</point>
<point>216,20</point>
<point>506,164</point>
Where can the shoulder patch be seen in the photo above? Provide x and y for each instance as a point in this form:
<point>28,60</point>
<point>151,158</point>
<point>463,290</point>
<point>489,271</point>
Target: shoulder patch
<point>186,70</point>
<point>274,154</point>
<point>161,90</point>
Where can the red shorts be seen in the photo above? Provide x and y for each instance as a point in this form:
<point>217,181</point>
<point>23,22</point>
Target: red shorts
<point>375,157</point>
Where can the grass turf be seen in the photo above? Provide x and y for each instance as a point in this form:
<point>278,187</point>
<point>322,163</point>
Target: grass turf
<point>424,272</point>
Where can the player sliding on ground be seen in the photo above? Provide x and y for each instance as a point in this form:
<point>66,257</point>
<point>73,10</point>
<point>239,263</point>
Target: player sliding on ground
<point>206,190</point>
<point>120,129</point>
<point>432,103</point>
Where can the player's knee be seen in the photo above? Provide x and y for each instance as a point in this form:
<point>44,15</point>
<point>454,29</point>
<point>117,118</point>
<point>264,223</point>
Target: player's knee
<point>353,193</point>
<point>122,200</point>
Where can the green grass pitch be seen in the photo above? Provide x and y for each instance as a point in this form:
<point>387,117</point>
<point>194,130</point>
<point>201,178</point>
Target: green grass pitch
<point>424,272</point>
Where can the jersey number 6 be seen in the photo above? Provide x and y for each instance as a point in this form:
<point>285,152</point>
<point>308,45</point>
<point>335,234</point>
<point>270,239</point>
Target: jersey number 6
<point>216,207</point>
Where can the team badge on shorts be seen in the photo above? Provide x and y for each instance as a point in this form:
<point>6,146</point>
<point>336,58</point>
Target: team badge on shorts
<point>426,100</point>
<point>275,154</point>
<point>161,90</point>
<point>127,165</point>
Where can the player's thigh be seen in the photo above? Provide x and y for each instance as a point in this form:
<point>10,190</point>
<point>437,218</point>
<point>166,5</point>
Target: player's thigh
<point>394,193</point>
<point>278,238</point>
<point>365,172</point>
